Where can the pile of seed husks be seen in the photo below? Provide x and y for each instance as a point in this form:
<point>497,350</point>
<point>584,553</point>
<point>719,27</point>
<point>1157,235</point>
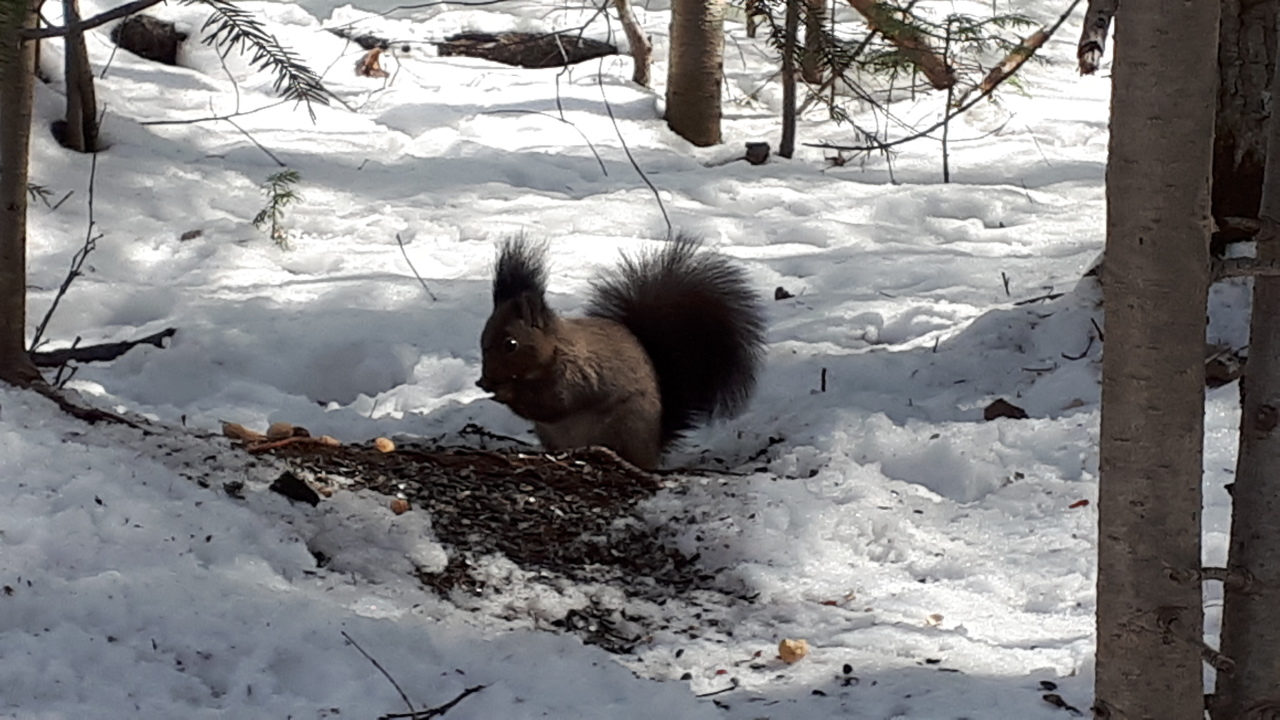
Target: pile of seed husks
<point>571,515</point>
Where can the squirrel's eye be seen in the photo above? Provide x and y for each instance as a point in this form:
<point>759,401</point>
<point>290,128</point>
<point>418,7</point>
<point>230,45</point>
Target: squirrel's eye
<point>511,344</point>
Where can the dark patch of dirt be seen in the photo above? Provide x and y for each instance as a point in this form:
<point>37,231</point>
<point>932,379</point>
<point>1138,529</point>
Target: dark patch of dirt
<point>149,37</point>
<point>564,516</point>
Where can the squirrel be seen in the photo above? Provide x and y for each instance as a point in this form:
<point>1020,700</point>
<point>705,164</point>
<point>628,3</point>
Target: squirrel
<point>671,339</point>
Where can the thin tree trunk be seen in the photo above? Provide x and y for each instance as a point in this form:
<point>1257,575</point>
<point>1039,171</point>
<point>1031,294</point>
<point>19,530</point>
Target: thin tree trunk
<point>17,78</point>
<point>637,41</point>
<point>811,61</point>
<point>1250,631</point>
<point>696,70</point>
<point>790,28</point>
<point>1150,627</point>
<point>81,133</point>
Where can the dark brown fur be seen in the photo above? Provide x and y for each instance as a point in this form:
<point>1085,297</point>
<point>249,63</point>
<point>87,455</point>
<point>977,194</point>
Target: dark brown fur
<point>677,327</point>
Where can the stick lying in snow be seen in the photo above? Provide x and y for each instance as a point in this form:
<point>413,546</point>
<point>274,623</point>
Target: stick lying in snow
<point>412,714</point>
<point>97,353</point>
<point>435,711</point>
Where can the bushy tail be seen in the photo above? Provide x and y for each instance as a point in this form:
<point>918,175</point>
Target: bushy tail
<point>701,324</point>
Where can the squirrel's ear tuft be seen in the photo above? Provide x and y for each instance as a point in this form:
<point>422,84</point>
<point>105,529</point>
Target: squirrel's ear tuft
<point>532,309</point>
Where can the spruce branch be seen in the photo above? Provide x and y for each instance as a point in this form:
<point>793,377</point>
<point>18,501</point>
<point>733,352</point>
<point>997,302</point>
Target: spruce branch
<point>229,27</point>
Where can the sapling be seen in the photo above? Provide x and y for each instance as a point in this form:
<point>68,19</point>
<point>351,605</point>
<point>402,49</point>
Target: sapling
<point>280,194</point>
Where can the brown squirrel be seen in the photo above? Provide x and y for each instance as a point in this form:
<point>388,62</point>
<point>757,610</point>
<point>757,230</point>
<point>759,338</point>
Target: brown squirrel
<point>671,339</point>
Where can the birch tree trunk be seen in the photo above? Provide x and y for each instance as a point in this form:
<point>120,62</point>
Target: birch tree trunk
<point>640,47</point>
<point>1250,631</point>
<point>1154,290</point>
<point>696,70</point>
<point>17,78</point>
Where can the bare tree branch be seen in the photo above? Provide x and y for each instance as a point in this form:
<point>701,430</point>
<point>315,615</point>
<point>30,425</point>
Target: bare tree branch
<point>98,353</point>
<point>93,22</point>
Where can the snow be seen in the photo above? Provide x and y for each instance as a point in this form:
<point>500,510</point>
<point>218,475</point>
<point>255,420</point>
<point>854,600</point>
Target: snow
<point>940,566</point>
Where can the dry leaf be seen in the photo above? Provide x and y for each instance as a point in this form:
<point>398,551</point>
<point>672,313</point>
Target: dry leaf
<point>384,445</point>
<point>933,620</point>
<point>368,65</point>
<point>279,431</point>
<point>236,431</point>
<point>328,440</point>
<point>399,506</point>
<point>793,650</point>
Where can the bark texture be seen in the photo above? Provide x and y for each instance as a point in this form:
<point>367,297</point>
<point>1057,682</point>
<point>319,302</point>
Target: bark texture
<point>1246,62</point>
<point>1250,633</point>
<point>17,78</point>
<point>696,70</point>
<point>1155,285</point>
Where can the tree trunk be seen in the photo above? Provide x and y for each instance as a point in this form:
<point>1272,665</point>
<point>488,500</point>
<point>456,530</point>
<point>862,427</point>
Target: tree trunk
<point>1250,633</point>
<point>790,28</point>
<point>1155,286</point>
<point>640,47</point>
<point>81,130</point>
<point>811,62</point>
<point>1246,61</point>
<point>696,70</point>
<point>17,78</point>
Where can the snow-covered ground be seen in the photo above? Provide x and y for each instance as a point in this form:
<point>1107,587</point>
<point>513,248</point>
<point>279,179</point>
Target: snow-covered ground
<point>939,566</point>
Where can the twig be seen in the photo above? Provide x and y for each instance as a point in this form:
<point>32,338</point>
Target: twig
<point>227,117</point>
<point>1042,298</point>
<point>721,691</point>
<point>87,414</point>
<point>414,269</point>
<point>254,140</point>
<point>618,131</point>
<point>77,260</point>
<point>384,672</point>
<point>97,353</point>
<point>435,711</point>
<point>1017,63</point>
<point>1082,355</point>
